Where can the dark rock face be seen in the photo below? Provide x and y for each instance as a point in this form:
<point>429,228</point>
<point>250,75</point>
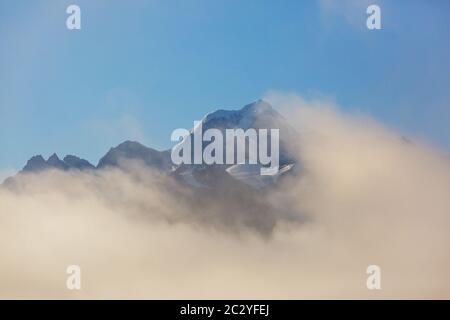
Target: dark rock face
<point>77,163</point>
<point>38,163</point>
<point>130,150</point>
<point>56,163</point>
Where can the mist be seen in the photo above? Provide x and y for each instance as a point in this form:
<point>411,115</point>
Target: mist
<point>364,195</point>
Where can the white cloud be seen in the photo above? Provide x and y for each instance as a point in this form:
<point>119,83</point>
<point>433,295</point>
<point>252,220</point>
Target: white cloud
<point>6,173</point>
<point>368,197</point>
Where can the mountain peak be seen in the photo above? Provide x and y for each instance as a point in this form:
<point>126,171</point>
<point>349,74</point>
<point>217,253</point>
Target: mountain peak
<point>36,163</point>
<point>258,106</point>
<point>55,162</point>
<point>132,150</point>
<point>77,163</point>
<point>54,157</point>
<point>37,158</point>
<point>241,118</point>
<point>128,144</point>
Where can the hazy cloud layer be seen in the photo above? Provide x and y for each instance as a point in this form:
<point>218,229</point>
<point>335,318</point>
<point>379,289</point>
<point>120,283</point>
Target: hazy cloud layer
<point>4,174</point>
<point>365,196</point>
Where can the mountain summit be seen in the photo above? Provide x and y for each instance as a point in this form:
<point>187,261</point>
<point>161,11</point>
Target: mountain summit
<point>132,150</point>
<point>38,163</point>
<point>257,115</point>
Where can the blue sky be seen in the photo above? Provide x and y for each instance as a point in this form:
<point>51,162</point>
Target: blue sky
<point>139,69</point>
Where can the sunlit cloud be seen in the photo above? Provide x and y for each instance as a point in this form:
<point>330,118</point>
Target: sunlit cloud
<point>365,196</point>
